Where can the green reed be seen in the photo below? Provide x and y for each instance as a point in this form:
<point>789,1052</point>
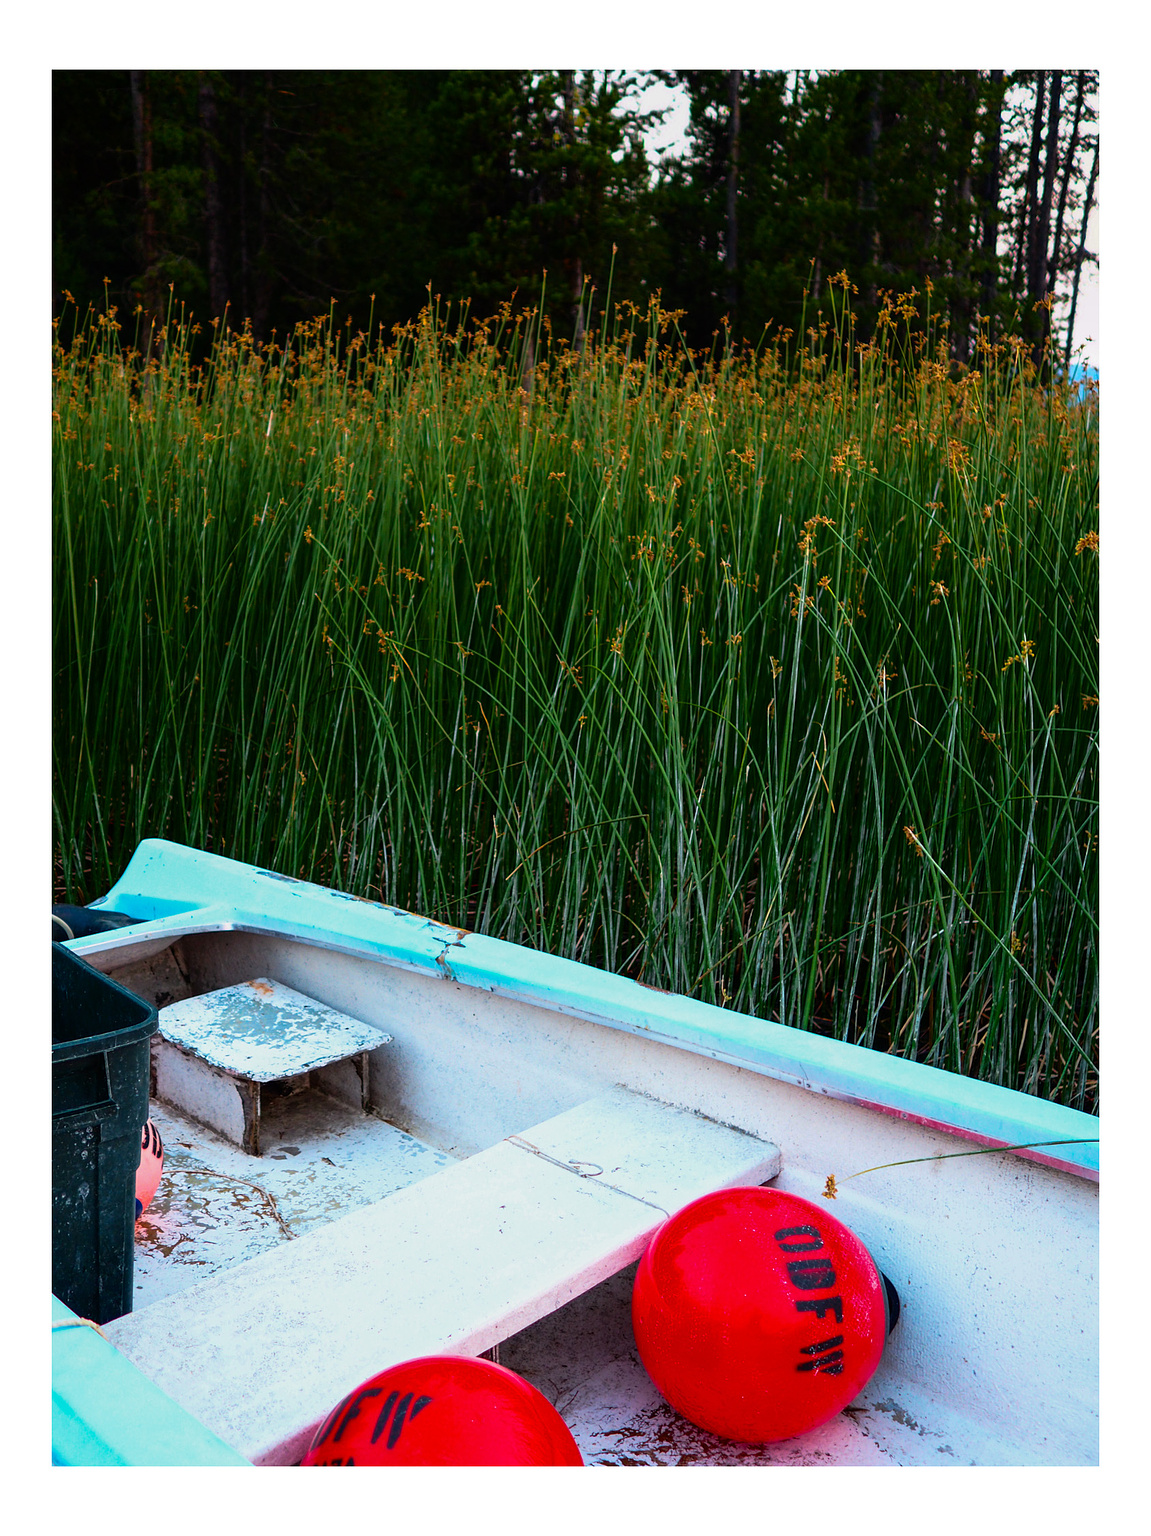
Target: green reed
<point>768,677</point>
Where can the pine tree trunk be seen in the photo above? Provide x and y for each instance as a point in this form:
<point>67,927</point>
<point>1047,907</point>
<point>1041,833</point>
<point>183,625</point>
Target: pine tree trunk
<point>991,195</point>
<point>964,232</point>
<point>242,197</point>
<point>574,262</point>
<point>1039,302</point>
<point>731,239</point>
<point>263,279</point>
<point>1030,195</point>
<point>1081,252</point>
<point>149,243</point>
<point>213,202</point>
<point>1068,172</point>
<point>870,254</point>
<point>928,258</point>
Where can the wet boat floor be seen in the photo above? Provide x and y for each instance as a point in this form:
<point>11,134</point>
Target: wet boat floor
<point>216,1206</point>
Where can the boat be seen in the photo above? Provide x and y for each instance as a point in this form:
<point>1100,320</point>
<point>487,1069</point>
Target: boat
<point>431,1141</point>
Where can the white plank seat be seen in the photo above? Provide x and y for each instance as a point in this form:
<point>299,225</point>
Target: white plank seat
<point>215,1056</point>
<point>450,1265</point>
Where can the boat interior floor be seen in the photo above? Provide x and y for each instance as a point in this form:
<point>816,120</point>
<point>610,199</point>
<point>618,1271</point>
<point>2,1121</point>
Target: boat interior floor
<point>218,1206</point>
<point>583,1358</point>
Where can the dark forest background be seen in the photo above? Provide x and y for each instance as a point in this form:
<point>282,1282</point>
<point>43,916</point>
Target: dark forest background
<point>268,196</point>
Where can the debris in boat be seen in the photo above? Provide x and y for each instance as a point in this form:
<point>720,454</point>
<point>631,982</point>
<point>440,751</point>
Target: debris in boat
<point>231,1178</point>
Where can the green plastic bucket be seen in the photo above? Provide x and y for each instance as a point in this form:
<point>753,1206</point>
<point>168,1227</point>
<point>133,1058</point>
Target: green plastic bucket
<point>101,1037</point>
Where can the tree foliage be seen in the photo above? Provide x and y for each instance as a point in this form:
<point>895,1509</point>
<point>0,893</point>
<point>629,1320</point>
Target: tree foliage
<point>274,194</point>
<point>903,178</point>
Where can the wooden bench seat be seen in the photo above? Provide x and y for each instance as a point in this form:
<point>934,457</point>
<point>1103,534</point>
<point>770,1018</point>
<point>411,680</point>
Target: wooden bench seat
<point>214,1056</point>
<point>452,1264</point>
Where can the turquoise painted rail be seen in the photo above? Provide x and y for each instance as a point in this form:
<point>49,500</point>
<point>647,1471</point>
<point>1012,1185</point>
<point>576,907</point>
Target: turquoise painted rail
<point>174,889</point>
<point>106,1413</point>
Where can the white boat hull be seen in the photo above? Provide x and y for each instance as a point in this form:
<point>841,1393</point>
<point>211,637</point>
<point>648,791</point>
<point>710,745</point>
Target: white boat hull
<point>994,1360</point>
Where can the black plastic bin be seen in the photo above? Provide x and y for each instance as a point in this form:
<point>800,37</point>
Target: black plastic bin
<point>101,1037</point>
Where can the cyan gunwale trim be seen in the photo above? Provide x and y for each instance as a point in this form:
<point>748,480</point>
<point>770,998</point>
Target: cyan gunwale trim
<point>218,893</point>
<point>106,1413</point>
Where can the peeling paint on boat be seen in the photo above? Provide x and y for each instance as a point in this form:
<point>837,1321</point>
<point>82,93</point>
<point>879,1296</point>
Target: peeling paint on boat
<point>265,1031</point>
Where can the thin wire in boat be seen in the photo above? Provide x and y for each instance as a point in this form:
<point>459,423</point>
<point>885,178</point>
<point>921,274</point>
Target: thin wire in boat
<point>831,1187</point>
<point>577,1166</point>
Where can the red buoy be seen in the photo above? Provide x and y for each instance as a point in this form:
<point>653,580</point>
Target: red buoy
<point>150,1167</point>
<point>444,1411</point>
<point>757,1314</point>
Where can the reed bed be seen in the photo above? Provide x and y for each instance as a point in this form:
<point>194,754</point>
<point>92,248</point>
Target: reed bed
<point>769,677</point>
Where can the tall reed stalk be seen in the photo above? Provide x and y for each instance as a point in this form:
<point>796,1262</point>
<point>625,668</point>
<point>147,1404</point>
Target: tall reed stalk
<point>768,677</point>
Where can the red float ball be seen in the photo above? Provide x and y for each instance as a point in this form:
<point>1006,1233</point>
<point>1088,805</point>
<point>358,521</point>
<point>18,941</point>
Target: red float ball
<point>757,1314</point>
<point>444,1411</point>
<point>150,1167</point>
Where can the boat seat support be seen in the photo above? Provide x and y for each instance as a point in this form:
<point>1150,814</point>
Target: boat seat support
<point>218,1056</point>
